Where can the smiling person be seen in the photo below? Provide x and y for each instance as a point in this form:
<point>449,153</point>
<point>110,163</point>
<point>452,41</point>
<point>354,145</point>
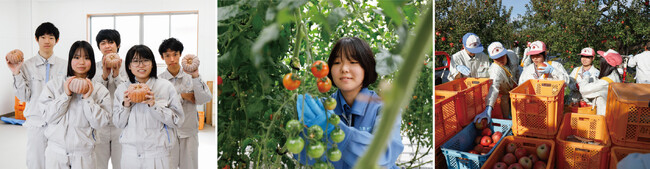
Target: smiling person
<point>597,90</point>
<point>585,72</point>
<point>30,77</point>
<point>74,108</point>
<point>542,68</point>
<point>193,91</point>
<point>503,73</point>
<point>352,71</point>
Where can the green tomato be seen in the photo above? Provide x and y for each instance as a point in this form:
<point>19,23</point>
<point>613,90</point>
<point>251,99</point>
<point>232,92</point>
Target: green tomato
<point>330,103</point>
<point>337,135</point>
<point>334,119</point>
<point>293,126</point>
<point>295,144</point>
<point>315,132</point>
<point>334,154</point>
<point>321,165</point>
<point>315,149</point>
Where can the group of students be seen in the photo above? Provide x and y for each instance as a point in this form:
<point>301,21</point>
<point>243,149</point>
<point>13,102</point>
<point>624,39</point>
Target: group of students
<point>586,82</point>
<point>84,130</point>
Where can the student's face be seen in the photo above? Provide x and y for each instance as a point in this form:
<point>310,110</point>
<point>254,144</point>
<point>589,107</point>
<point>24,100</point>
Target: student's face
<point>537,59</point>
<point>108,46</point>
<point>80,63</point>
<point>171,58</point>
<point>140,67</point>
<point>46,42</point>
<point>347,74</point>
<point>502,60</point>
<point>586,60</point>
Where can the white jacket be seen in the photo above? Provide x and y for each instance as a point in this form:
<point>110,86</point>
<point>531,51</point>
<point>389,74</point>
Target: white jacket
<point>642,64</point>
<point>184,83</point>
<point>478,65</point>
<point>501,82</point>
<point>149,129</point>
<point>111,84</point>
<point>598,91</point>
<point>576,76</point>
<point>29,83</point>
<point>72,120</point>
<point>558,73</point>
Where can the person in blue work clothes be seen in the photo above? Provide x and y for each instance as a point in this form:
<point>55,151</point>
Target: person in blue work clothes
<point>352,70</point>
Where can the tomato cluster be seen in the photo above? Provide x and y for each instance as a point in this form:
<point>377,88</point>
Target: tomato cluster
<point>319,69</point>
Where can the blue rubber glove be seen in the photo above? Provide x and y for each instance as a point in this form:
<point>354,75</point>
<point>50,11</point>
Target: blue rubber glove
<point>546,70</point>
<point>12,121</point>
<point>315,113</point>
<point>586,74</point>
<point>487,113</point>
<point>463,70</point>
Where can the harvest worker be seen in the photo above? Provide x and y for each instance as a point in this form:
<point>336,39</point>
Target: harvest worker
<point>542,69</point>
<point>503,73</point>
<point>608,74</point>
<point>642,62</point>
<point>471,61</point>
<point>585,72</point>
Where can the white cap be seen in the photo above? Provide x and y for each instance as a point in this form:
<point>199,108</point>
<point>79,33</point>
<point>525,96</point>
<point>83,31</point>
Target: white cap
<point>472,43</point>
<point>496,50</point>
<point>587,52</point>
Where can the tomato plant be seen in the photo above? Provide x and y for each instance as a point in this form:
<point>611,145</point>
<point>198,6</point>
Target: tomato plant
<point>337,135</point>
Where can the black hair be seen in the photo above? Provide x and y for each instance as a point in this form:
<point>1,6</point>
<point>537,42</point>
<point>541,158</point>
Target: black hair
<point>172,44</point>
<point>83,45</point>
<point>47,28</point>
<point>109,34</point>
<point>354,48</point>
<point>606,69</point>
<point>143,52</point>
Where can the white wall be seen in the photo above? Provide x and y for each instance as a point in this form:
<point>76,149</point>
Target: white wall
<point>70,17</point>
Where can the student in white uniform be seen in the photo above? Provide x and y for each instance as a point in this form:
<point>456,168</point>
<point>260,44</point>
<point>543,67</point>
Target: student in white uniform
<point>148,133</point>
<point>73,117</point>
<point>471,61</point>
<point>542,69</point>
<point>108,145</point>
<point>503,73</point>
<point>642,64</point>
<point>193,91</point>
<point>608,74</point>
<point>585,72</point>
<point>30,78</point>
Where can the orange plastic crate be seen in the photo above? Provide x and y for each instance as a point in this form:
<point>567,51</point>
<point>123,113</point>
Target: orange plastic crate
<point>473,91</point>
<point>618,153</point>
<point>201,120</point>
<point>628,114</point>
<point>580,155</point>
<point>447,109</point>
<point>530,144</point>
<point>537,107</point>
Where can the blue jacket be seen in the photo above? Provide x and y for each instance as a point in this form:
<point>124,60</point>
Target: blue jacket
<point>365,115</point>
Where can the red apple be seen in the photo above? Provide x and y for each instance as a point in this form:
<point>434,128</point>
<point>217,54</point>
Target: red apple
<point>437,33</point>
<point>542,152</point>
<point>493,144</point>
<point>473,152</point>
<point>497,136</point>
<point>509,159</point>
<point>500,165</point>
<point>451,44</point>
<point>478,148</point>
<point>526,162</point>
<point>487,149</point>
<point>539,165</point>
<point>443,39</point>
<point>486,132</point>
<point>481,124</point>
<point>520,152</point>
<point>511,148</point>
<point>486,141</point>
<point>533,158</point>
<point>516,166</point>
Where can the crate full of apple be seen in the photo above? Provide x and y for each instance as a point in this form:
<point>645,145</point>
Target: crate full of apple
<point>472,146</point>
<point>522,153</point>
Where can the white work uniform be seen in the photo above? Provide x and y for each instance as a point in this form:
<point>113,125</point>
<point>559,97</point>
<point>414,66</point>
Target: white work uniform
<point>185,154</point>
<point>148,133</point>
<point>503,80</point>
<point>642,64</point>
<point>72,121</point>
<point>478,65</point>
<point>558,73</point>
<point>27,86</point>
<point>598,91</point>
<point>108,145</point>
<point>575,77</point>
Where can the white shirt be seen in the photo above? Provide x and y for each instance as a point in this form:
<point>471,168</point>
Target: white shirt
<point>149,129</point>
<point>478,65</point>
<point>111,83</point>
<point>558,73</point>
<point>501,82</point>
<point>576,76</point>
<point>72,120</point>
<point>31,80</point>
<point>184,83</point>
<point>598,91</point>
<point>642,64</point>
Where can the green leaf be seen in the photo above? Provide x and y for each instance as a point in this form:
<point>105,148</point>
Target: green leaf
<point>387,63</point>
<point>227,12</point>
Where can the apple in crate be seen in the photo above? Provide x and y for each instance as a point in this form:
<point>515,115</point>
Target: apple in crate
<point>540,165</point>
<point>509,159</point>
<point>478,140</point>
<point>486,141</point>
<point>520,152</point>
<point>516,166</point>
<point>481,124</point>
<point>542,152</point>
<point>486,132</point>
<point>511,148</point>
<point>497,136</point>
<point>526,162</point>
<point>500,165</point>
<point>473,152</point>
<point>533,158</point>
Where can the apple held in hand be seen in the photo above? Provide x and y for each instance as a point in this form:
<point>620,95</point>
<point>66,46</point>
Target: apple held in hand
<point>482,124</point>
<point>542,152</point>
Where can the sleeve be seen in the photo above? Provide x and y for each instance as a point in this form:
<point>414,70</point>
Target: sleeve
<point>98,78</point>
<point>526,74</point>
<point>201,90</point>
<point>97,107</point>
<point>56,104</point>
<point>452,66</point>
<point>572,80</point>
<point>494,88</point>
<point>120,113</point>
<point>632,61</point>
<point>21,85</point>
<point>168,109</point>
<point>591,90</point>
<point>560,74</point>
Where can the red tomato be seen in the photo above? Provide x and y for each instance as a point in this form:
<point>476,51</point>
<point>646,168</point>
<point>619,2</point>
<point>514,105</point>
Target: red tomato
<point>219,80</point>
<point>320,69</point>
<point>324,85</point>
<point>290,81</point>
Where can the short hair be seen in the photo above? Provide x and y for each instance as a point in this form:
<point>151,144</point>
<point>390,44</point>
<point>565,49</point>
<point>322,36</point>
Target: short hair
<point>109,34</point>
<point>356,49</point>
<point>143,52</point>
<point>172,44</point>
<point>83,45</point>
<point>47,28</point>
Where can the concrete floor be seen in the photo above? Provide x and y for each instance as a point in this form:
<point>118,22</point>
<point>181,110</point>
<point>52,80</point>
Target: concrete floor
<point>12,147</point>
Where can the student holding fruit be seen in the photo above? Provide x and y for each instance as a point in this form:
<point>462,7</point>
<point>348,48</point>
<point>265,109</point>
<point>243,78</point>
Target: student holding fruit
<point>586,72</point>
<point>542,69</point>
<point>608,74</point>
<point>503,73</point>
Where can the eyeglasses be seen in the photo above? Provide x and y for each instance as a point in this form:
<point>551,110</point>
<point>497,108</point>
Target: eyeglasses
<point>144,62</point>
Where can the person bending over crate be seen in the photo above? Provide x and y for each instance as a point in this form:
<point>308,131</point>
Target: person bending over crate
<point>503,73</point>
<point>542,69</point>
<point>608,74</point>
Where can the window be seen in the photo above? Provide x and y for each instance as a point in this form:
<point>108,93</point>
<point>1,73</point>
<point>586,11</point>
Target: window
<point>147,28</point>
